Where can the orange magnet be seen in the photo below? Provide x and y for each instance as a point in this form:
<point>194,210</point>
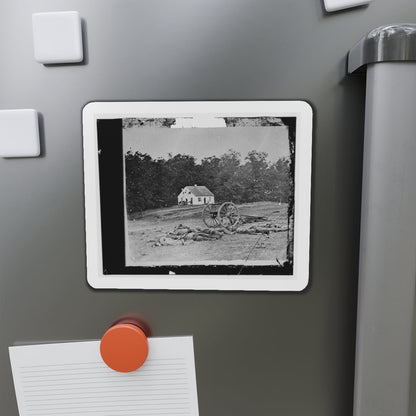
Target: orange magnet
<point>124,346</point>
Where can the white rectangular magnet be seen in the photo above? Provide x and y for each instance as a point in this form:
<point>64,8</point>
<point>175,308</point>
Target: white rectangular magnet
<point>335,5</point>
<point>19,133</point>
<point>57,37</point>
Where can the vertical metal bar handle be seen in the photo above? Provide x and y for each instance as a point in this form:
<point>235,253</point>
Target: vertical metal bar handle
<point>387,272</point>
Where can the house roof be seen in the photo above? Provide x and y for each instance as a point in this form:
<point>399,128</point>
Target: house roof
<point>199,190</point>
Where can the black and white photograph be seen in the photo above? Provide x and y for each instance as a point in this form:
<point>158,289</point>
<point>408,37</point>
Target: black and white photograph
<point>198,195</point>
<point>210,190</point>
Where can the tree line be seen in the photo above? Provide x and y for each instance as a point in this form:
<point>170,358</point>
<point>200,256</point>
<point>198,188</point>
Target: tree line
<point>156,183</point>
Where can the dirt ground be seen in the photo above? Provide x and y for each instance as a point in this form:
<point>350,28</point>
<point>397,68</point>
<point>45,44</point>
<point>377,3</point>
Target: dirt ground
<point>145,231</point>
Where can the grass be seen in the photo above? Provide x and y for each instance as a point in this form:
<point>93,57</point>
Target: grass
<point>145,231</point>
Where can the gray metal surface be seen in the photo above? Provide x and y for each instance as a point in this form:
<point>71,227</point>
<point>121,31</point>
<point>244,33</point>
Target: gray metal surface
<point>383,44</point>
<point>256,353</point>
<point>412,389</point>
<point>387,274</point>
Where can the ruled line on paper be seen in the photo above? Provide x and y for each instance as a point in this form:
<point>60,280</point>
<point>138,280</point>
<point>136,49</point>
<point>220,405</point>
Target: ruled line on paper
<point>113,390</point>
<point>105,412</point>
<point>56,380</point>
<point>97,365</point>
<point>143,377</point>
<point>110,384</point>
<point>111,398</point>
<point>104,370</point>
<point>119,411</point>
<point>162,399</point>
<point>119,406</point>
<point>76,382</point>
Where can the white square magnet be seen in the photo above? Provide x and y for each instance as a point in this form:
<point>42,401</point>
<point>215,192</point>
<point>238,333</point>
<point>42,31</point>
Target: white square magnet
<point>334,5</point>
<point>57,37</point>
<point>19,133</point>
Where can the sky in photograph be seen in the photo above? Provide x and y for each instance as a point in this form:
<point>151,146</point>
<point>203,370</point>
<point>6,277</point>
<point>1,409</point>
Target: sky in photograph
<point>205,142</point>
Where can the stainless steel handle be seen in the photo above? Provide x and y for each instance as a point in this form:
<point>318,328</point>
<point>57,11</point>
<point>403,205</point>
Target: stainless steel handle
<point>386,293</point>
<point>384,44</point>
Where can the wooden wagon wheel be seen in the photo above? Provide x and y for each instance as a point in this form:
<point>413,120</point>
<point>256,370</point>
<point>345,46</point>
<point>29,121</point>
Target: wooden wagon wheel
<point>228,215</point>
<point>210,216</point>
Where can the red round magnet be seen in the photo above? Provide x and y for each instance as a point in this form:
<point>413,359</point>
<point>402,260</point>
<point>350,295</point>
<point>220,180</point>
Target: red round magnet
<point>124,346</point>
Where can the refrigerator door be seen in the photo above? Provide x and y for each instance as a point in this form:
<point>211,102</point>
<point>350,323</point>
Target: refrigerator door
<point>255,353</point>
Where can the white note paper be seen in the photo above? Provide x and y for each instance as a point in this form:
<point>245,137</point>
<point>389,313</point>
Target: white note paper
<point>70,379</point>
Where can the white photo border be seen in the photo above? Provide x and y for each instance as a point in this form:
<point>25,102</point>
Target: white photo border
<point>303,163</point>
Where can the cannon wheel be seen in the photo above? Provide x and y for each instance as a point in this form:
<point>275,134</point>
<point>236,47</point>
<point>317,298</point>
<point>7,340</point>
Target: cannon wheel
<point>228,215</point>
<point>210,216</point>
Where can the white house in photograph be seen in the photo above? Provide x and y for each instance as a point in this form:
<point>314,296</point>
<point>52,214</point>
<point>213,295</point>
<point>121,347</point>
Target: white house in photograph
<point>195,195</point>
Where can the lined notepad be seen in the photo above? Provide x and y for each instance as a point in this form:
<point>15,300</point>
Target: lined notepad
<point>71,379</point>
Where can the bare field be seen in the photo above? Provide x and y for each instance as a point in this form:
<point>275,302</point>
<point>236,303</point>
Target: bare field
<point>146,231</point>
